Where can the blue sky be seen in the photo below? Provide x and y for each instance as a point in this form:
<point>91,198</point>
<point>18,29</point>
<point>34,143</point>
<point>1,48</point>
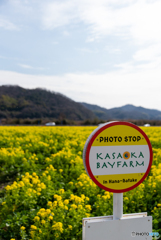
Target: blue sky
<point>104,52</point>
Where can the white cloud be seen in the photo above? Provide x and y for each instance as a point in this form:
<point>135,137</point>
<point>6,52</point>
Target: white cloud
<point>112,49</point>
<point>25,66</point>
<point>30,67</point>
<point>58,14</point>
<point>137,20</point>
<point>87,50</point>
<point>17,14</point>
<point>149,53</point>
<point>3,57</point>
<point>55,42</point>
<point>6,24</point>
<point>24,7</point>
<point>113,89</point>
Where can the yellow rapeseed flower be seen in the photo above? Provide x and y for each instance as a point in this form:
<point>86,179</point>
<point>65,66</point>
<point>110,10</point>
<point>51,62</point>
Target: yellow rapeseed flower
<point>70,227</point>
<point>21,184</point>
<point>8,188</point>
<point>49,177</point>
<point>83,196</point>
<point>87,199</point>
<point>49,204</point>
<point>80,206</point>
<point>43,186</point>
<point>58,226</point>
<point>61,191</point>
<point>33,227</point>
<point>22,228</point>
<point>126,198</point>
<point>70,183</point>
<point>66,201</point>
<point>32,234</point>
<point>104,197</point>
<point>48,211</point>
<point>88,207</point>
<point>59,198</point>
<point>36,219</point>
<point>50,218</point>
<point>73,206</point>
<point>55,203</point>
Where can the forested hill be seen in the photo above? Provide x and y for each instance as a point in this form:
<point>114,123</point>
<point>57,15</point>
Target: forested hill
<point>17,102</point>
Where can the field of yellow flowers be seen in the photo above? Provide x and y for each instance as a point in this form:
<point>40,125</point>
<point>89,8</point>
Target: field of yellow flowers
<point>45,192</point>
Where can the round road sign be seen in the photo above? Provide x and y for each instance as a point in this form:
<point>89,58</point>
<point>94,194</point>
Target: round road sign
<point>117,156</point>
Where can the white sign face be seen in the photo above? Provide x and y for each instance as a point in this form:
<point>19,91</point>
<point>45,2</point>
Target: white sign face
<point>118,156</point>
<point>131,227</point>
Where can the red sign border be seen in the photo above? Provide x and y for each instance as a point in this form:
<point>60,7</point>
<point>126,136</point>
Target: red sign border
<point>88,151</point>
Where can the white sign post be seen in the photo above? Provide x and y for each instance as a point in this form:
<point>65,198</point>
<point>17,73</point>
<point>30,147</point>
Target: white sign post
<point>118,156</point>
<point>117,206</point>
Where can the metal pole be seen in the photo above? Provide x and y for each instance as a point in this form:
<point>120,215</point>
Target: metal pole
<point>117,205</point>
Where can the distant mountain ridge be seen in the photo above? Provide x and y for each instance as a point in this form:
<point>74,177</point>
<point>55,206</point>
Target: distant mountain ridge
<point>126,112</point>
<point>17,102</point>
